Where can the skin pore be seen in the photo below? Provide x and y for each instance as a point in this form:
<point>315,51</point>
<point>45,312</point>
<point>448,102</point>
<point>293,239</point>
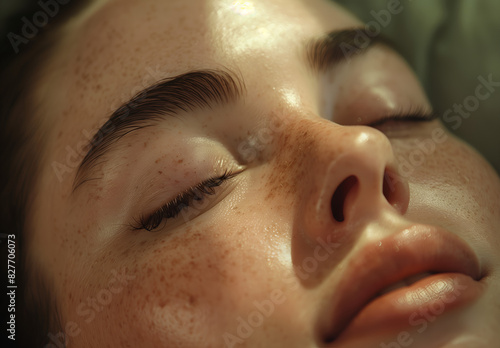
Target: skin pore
<point>292,138</point>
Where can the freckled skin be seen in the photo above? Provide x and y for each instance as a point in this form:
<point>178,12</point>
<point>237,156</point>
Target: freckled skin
<point>200,276</point>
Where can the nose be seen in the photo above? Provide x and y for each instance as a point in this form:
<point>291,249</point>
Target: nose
<point>351,181</point>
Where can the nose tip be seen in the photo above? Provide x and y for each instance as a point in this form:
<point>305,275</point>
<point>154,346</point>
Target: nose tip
<point>394,192</point>
<point>358,181</point>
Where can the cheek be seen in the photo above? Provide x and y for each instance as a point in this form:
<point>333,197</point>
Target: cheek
<point>187,290</point>
<point>453,185</point>
<point>468,171</point>
<point>181,292</point>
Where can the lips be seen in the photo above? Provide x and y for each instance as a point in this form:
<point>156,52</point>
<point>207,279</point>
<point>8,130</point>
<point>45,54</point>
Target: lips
<point>400,277</point>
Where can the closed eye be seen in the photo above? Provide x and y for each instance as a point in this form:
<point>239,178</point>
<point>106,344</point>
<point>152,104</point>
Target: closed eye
<point>182,201</point>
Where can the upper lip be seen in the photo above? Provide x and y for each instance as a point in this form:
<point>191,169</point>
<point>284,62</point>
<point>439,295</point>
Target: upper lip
<point>412,251</point>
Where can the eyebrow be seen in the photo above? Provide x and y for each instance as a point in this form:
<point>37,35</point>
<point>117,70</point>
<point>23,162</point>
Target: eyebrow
<point>199,89</point>
<point>340,46</point>
<point>204,89</point>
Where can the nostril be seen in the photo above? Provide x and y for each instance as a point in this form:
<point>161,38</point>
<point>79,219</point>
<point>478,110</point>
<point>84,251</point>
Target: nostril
<point>340,195</point>
<point>388,188</point>
<point>395,191</point>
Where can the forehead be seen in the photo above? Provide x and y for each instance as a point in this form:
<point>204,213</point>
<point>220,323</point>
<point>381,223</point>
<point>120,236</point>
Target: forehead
<point>122,38</point>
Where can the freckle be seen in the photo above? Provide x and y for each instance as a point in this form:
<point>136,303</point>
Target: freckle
<point>158,160</point>
<point>163,303</point>
<point>180,161</point>
<point>270,195</point>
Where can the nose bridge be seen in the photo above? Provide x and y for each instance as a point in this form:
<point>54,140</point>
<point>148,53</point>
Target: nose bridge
<point>311,141</point>
<point>320,153</point>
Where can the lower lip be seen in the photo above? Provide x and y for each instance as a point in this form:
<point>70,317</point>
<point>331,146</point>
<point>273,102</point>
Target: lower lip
<point>424,300</point>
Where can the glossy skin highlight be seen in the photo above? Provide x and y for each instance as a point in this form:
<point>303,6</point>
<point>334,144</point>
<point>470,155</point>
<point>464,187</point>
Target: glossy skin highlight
<point>189,284</point>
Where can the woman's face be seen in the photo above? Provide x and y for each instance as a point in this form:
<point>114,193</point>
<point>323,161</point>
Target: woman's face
<point>286,209</point>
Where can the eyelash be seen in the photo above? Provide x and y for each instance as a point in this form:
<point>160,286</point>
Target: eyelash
<point>412,116</point>
<point>184,200</point>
